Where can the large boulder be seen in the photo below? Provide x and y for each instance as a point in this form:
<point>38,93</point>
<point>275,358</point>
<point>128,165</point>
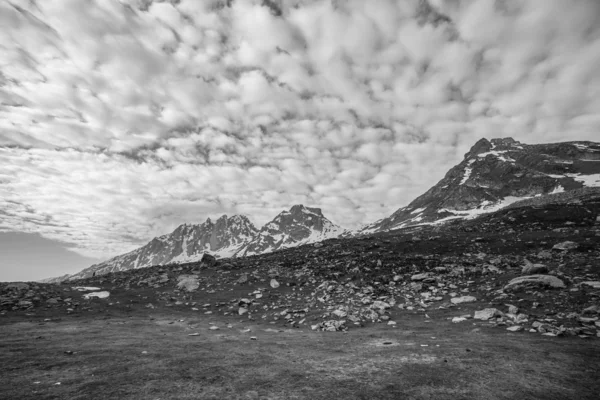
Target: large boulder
<point>463,299</point>
<point>486,313</point>
<point>537,281</point>
<point>208,260</point>
<point>189,283</point>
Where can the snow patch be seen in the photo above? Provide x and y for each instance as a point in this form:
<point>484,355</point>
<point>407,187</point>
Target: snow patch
<point>498,155</point>
<point>468,171</point>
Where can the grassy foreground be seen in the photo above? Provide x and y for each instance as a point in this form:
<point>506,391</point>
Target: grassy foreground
<point>153,356</point>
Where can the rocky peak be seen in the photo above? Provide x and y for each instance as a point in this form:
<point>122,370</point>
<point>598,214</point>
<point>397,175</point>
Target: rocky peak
<point>300,209</point>
<point>494,174</point>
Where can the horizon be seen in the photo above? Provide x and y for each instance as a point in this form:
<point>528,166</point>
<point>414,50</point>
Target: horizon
<point>123,120</point>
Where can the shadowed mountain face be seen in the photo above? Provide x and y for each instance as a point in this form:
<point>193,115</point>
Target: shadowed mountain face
<point>496,173</point>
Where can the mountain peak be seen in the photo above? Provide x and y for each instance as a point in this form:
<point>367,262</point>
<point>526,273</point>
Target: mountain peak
<point>301,209</point>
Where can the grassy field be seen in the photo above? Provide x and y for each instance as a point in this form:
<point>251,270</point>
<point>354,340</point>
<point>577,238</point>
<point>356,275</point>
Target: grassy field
<point>152,356</point>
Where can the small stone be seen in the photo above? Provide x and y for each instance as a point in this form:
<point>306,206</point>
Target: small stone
<point>274,284</point>
<point>392,323</point>
<point>458,319</point>
<point>515,328</point>
<point>214,328</point>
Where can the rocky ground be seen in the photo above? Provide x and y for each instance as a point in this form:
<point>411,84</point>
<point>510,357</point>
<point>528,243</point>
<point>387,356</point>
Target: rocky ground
<point>532,269</point>
<point>505,306</point>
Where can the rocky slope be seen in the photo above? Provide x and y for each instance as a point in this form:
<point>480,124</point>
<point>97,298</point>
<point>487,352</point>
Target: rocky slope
<point>495,173</point>
<point>227,237</point>
<point>529,269</point>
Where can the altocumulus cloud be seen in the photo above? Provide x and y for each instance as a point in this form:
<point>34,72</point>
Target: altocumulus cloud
<point>121,119</point>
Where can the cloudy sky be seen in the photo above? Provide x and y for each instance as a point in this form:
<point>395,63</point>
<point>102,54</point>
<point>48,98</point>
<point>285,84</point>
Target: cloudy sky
<point>121,119</point>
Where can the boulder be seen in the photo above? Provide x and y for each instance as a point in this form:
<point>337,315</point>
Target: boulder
<point>100,295</point>
<point>486,313</point>
<point>420,277</point>
<point>592,284</point>
<point>568,245</point>
<point>539,281</point>
<point>463,299</point>
<point>189,283</point>
<point>208,260</point>
<point>531,269</point>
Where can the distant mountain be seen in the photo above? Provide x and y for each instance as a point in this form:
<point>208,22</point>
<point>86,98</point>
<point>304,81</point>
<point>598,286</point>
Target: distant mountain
<point>299,225</point>
<point>187,243</point>
<point>227,237</point>
<point>496,173</point>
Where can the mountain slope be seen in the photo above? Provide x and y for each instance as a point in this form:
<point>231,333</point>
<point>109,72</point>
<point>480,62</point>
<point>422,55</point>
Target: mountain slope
<point>496,173</point>
<point>227,237</point>
<point>299,225</point>
<point>186,243</point>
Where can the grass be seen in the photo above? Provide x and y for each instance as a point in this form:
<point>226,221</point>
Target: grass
<point>417,360</point>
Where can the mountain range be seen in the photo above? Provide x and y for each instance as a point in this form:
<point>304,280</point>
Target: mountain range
<point>492,175</point>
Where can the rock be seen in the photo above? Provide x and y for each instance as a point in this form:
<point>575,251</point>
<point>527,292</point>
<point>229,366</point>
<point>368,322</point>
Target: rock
<point>208,260</point>
<point>568,245</point>
<point>100,295</point>
<point>380,305</point>
<point>515,328</point>
<point>592,284</point>
<point>463,299</point>
<point>189,283</point>
<point>420,277</point>
<point>540,281</point>
<point>242,311</point>
<point>214,328</point>
<point>243,279</point>
<point>486,313</point>
<point>274,284</point>
<point>392,323</point>
<point>592,310</point>
<point>531,269</point>
<point>86,288</point>
<point>340,313</point>
<point>544,254</point>
<point>458,319</point>
<point>513,309</point>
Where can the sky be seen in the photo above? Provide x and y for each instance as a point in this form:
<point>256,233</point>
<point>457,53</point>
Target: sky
<point>121,119</point>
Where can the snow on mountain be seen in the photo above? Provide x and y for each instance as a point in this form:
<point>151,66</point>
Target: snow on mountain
<point>300,225</point>
<point>495,174</point>
<point>227,237</point>
<point>187,243</point>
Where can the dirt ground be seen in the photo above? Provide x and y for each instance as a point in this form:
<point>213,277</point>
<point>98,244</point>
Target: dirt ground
<point>177,356</point>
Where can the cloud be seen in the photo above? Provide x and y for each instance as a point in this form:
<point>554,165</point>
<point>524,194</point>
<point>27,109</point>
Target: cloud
<point>121,119</point>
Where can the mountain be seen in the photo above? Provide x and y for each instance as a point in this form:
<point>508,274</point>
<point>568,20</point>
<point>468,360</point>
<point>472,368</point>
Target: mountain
<point>299,225</point>
<point>496,173</point>
<point>188,242</point>
<point>227,237</point>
